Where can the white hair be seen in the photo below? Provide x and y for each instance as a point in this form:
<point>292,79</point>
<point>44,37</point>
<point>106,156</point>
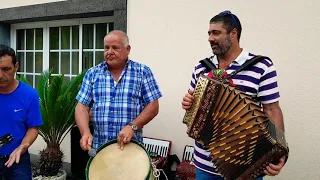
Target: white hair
<point>123,34</point>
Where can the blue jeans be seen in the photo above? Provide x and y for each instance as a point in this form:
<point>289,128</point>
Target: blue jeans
<point>203,175</point>
<point>20,171</point>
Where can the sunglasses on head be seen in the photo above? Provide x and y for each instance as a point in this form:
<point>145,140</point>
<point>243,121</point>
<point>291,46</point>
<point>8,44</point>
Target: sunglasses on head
<point>225,13</point>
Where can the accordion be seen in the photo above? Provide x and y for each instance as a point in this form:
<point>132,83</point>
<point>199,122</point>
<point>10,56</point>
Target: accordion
<point>231,125</point>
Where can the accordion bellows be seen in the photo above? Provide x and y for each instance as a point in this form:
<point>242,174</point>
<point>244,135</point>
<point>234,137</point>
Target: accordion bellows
<point>233,128</point>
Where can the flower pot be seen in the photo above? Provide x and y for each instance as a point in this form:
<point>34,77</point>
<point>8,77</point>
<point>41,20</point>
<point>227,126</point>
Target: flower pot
<point>62,175</point>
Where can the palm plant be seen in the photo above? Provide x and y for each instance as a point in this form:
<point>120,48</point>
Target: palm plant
<point>57,104</point>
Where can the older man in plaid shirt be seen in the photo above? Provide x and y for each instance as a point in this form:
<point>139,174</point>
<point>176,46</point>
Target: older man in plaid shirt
<point>124,94</point>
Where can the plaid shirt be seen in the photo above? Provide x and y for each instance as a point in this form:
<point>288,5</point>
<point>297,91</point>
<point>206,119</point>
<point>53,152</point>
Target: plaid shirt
<point>117,104</point>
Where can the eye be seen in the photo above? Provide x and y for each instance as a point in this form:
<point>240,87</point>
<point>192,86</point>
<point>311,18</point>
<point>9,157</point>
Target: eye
<point>6,69</point>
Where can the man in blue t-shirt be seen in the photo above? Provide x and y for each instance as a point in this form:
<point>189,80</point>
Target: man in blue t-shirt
<point>19,116</point>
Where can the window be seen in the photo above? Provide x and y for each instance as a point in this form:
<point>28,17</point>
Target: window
<point>66,47</point>
<point>30,53</point>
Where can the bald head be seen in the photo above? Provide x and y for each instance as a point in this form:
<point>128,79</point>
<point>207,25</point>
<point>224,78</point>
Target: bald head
<point>116,49</point>
<point>120,34</point>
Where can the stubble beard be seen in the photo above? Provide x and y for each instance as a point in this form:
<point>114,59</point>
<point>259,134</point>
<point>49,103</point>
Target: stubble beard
<point>222,47</point>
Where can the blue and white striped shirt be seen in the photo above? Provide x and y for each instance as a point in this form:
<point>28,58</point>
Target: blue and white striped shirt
<point>115,104</point>
<point>260,81</point>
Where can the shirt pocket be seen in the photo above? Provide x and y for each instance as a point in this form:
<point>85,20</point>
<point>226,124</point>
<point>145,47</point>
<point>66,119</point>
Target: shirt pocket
<point>134,95</point>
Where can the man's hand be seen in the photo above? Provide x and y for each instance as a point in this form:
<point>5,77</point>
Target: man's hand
<point>187,100</point>
<point>86,141</point>
<point>273,170</point>
<point>125,136</point>
<point>15,155</point>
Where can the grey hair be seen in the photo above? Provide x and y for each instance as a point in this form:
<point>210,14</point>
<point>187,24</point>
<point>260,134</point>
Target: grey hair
<point>123,34</point>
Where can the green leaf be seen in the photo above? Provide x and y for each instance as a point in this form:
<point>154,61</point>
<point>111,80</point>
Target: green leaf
<point>57,105</point>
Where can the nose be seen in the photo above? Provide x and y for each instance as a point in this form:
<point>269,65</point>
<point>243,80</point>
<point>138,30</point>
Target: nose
<point>109,51</point>
<point>211,38</point>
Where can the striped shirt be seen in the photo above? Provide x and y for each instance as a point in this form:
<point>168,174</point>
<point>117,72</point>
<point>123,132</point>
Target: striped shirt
<point>115,104</point>
<point>259,81</point>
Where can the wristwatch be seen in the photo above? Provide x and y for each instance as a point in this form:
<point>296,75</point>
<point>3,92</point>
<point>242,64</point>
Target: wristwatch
<point>133,126</point>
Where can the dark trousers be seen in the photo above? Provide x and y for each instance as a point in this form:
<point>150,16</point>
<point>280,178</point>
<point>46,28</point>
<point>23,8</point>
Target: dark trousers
<point>20,171</point>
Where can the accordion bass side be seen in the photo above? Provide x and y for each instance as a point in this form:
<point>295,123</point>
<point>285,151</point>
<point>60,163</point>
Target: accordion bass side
<point>242,141</point>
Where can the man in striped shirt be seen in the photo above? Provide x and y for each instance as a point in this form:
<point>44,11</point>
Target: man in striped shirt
<point>259,82</point>
<point>124,94</point>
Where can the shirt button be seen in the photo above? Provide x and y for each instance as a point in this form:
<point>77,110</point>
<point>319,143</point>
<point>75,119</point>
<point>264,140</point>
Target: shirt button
<point>113,99</point>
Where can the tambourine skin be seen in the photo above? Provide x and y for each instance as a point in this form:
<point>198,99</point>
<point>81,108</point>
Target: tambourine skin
<point>133,162</point>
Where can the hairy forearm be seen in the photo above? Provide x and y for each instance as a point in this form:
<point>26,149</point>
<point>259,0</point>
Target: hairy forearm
<point>82,118</point>
<point>274,112</point>
<point>30,137</point>
<point>148,113</point>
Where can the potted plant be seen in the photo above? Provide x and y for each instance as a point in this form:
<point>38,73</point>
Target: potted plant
<point>57,104</point>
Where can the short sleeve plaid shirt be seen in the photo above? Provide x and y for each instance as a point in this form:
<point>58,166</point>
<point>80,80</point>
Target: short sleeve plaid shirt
<point>115,104</point>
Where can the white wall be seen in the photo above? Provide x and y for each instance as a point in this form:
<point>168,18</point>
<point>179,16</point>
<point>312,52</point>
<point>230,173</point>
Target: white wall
<point>171,36</point>
<point>15,3</point>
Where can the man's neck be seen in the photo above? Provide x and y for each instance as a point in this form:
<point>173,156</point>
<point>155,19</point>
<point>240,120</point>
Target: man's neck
<point>13,86</point>
<point>116,72</point>
<point>226,59</point>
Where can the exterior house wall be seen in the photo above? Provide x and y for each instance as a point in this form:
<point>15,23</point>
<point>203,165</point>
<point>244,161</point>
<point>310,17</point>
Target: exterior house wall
<point>171,36</point>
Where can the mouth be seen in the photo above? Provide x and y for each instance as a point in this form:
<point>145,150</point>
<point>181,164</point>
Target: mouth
<point>213,45</point>
<point>110,58</point>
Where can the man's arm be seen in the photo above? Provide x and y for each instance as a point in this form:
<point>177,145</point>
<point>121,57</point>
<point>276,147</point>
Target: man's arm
<point>148,113</point>
<point>82,118</point>
<point>82,121</point>
<point>29,138</point>
<point>273,111</point>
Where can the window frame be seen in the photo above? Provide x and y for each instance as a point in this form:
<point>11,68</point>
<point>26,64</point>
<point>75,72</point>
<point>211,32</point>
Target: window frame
<point>46,25</point>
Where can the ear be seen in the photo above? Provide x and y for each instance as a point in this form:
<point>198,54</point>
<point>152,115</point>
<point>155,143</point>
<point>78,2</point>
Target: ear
<point>234,33</point>
<point>128,49</point>
<point>16,66</point>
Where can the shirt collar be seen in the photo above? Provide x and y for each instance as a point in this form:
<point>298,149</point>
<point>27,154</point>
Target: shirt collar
<point>243,56</point>
<point>105,66</point>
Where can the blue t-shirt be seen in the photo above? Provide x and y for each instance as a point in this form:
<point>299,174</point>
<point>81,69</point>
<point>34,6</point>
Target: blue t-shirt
<point>19,111</point>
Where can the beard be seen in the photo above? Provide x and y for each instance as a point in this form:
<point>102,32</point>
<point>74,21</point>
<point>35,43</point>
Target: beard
<point>222,47</point>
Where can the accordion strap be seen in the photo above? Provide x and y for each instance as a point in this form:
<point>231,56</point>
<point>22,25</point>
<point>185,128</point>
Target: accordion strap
<point>247,65</point>
<point>208,64</point>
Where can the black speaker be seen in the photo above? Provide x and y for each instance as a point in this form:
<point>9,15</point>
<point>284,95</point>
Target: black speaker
<point>79,158</point>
